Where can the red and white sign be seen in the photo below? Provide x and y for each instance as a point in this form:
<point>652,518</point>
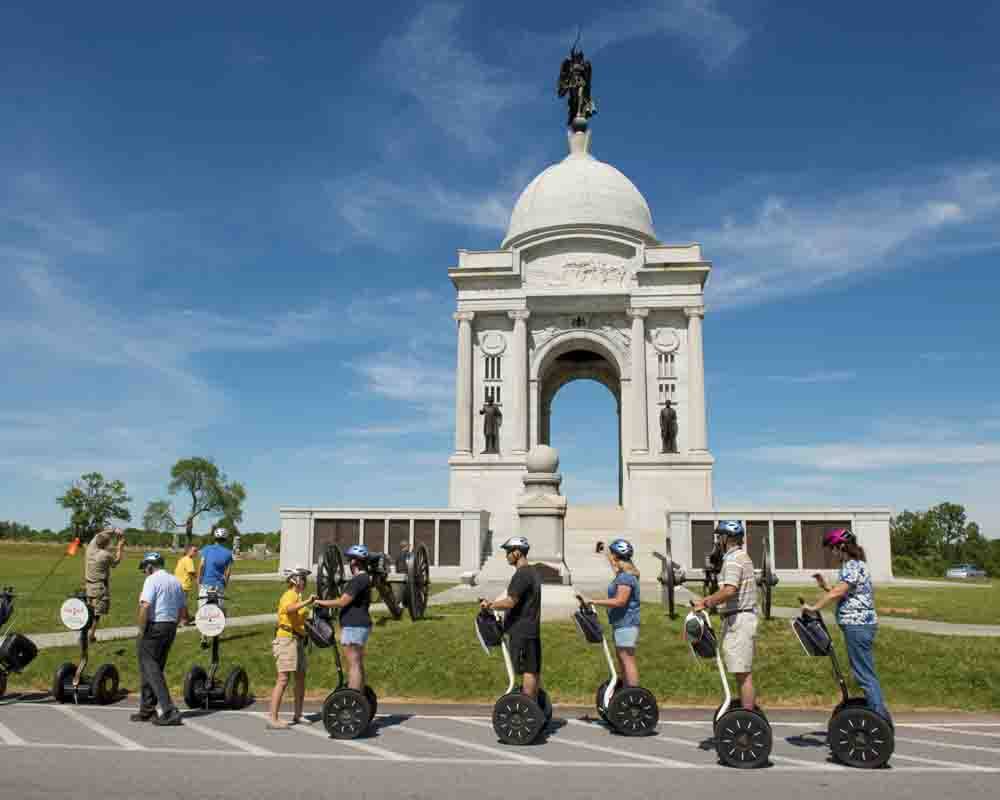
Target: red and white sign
<point>210,620</point>
<point>74,614</point>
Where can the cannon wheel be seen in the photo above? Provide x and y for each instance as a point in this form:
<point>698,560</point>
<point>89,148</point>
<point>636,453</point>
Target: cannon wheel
<point>767,580</point>
<point>330,578</point>
<point>389,597</point>
<point>418,580</point>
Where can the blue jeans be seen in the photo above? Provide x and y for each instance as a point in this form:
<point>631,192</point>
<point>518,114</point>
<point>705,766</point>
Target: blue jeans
<point>860,641</point>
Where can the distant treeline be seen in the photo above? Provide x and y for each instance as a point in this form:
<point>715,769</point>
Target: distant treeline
<point>134,537</point>
<point>926,543</point>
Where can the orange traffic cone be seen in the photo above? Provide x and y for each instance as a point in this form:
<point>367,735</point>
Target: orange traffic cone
<point>73,547</point>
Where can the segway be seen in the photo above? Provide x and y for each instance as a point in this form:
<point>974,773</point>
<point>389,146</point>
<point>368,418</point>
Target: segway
<point>347,713</point>
<point>203,689</point>
<point>16,651</point>
<point>630,711</point>
<point>71,681</point>
<point>517,718</point>
<point>742,738</point>
<point>858,736</point>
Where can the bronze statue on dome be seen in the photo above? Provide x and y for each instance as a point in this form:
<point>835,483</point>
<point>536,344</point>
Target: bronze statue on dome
<point>574,81</point>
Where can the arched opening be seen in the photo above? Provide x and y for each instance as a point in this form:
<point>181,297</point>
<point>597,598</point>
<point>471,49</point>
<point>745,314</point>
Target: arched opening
<point>586,434</point>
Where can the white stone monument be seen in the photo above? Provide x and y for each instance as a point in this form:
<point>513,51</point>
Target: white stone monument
<point>541,512</point>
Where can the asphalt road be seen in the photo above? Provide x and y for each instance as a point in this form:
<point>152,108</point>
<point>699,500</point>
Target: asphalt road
<point>47,750</point>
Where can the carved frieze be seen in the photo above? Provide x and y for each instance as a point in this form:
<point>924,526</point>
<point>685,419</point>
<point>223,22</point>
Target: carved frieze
<point>581,271</point>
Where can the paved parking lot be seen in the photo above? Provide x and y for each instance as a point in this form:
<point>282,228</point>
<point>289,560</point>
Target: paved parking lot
<point>48,750</point>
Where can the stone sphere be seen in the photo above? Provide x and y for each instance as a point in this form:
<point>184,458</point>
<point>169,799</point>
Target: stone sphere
<point>543,458</point>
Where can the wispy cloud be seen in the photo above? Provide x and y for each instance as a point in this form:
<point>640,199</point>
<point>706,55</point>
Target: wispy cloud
<point>795,244</point>
<point>864,456</point>
<point>822,376</point>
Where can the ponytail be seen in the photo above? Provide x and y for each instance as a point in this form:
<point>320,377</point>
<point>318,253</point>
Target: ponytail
<point>854,551</point>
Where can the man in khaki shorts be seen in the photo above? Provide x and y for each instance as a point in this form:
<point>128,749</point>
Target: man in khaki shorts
<point>737,603</point>
<point>97,573</point>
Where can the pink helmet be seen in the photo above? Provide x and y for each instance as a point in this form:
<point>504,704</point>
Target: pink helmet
<point>838,536</point>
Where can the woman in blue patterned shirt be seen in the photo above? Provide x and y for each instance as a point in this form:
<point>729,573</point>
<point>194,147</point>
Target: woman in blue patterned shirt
<point>622,603</point>
<point>856,615</point>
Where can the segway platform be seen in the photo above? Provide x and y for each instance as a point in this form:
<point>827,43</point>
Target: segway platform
<point>71,682</point>
<point>202,689</point>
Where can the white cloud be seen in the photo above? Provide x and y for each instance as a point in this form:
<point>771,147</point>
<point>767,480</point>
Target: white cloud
<point>822,376</point>
<point>864,456</point>
<point>791,245</point>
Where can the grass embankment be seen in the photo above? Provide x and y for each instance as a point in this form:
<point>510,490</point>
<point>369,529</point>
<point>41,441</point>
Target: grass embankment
<point>439,659</point>
<point>978,604</point>
<point>24,566</point>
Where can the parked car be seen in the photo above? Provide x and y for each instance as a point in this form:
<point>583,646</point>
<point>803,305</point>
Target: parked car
<point>965,571</point>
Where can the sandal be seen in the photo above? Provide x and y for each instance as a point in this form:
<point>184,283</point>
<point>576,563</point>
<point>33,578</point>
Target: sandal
<point>277,726</point>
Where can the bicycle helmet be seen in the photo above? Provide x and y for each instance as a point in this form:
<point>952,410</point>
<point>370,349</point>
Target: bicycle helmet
<point>622,549</point>
<point>296,572</point>
<point>359,551</point>
<point>151,559</point>
<point>220,533</point>
<point>730,527</point>
<point>516,543</point>
<point>838,536</point>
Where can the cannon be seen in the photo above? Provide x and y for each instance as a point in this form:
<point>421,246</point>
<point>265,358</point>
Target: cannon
<point>673,575</point>
<point>398,590</point>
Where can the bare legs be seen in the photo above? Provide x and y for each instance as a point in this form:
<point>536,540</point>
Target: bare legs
<point>354,654</point>
<point>529,684</point>
<point>279,691</point>
<point>628,665</point>
<point>747,697</point>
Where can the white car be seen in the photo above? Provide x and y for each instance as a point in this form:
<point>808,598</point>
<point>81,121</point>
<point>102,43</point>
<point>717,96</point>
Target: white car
<point>965,571</point>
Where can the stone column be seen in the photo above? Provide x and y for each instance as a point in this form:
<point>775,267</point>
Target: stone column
<point>698,441</point>
<point>463,384</point>
<point>640,422</point>
<point>519,379</point>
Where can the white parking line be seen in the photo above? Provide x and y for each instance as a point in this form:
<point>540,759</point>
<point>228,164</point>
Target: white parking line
<point>363,746</point>
<point>482,748</point>
<point>235,741</point>
<point>952,745</point>
<point>943,729</point>
<point>97,727</point>
<point>664,762</point>
<point>958,765</point>
<point>8,736</point>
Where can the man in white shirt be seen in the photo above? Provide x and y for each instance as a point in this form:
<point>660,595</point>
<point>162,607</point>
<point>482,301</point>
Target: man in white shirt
<point>162,605</point>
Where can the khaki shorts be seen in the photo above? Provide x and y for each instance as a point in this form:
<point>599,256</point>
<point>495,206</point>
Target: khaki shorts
<point>738,635</point>
<point>289,654</point>
<point>99,601</point>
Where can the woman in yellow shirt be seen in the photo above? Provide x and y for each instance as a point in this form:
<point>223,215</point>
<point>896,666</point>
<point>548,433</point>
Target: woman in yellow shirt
<point>289,646</point>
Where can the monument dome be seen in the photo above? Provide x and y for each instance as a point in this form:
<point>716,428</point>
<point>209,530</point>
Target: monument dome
<point>580,190</point>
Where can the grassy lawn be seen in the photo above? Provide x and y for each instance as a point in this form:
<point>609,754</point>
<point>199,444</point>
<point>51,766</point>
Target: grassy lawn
<point>440,659</point>
<point>24,566</point>
<point>949,603</point>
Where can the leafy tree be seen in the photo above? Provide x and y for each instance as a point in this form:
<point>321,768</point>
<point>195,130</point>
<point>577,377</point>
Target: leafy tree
<point>93,503</point>
<point>210,492</point>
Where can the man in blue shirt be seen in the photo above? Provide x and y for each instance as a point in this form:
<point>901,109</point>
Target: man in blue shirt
<point>162,605</point>
<point>216,565</point>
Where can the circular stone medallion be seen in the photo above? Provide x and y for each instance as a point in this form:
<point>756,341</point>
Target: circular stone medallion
<point>493,343</point>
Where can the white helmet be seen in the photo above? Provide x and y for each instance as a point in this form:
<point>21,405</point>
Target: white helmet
<point>516,543</point>
<point>220,533</point>
<point>296,572</point>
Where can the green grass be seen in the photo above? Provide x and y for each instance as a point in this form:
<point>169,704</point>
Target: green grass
<point>947,603</point>
<point>24,566</point>
<point>440,659</point>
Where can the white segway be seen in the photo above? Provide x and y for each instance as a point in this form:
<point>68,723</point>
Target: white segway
<point>742,738</point>
<point>201,688</point>
<point>517,718</point>
<point>71,681</point>
<point>631,711</point>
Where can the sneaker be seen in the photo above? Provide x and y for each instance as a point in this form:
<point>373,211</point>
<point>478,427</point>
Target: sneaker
<point>173,718</point>
<point>143,716</point>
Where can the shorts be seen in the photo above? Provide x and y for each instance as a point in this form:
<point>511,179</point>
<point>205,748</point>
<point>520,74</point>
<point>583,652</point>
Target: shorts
<point>738,635</point>
<point>627,637</point>
<point>526,655</point>
<point>355,634</point>
<point>289,654</point>
<point>203,595</point>
<point>99,602</point>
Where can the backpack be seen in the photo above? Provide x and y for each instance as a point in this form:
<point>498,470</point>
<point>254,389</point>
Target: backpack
<point>488,629</point>
<point>589,624</point>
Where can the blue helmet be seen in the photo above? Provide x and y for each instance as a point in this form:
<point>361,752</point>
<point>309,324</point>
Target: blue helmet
<point>359,551</point>
<point>622,549</point>
<point>730,527</point>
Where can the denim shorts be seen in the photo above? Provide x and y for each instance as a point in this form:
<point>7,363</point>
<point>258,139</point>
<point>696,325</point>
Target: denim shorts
<point>355,634</point>
<point>627,637</point>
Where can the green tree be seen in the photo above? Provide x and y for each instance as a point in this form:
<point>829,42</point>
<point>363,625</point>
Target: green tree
<point>93,503</point>
<point>210,492</point>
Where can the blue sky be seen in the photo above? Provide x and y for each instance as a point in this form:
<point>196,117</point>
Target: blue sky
<point>225,230</point>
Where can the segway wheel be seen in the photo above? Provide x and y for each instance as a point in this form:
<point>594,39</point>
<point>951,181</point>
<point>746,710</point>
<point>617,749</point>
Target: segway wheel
<point>104,686</point>
<point>195,683</point>
<point>346,714</point>
<point>743,739</point>
<point>861,738</point>
<point>599,698</point>
<point>633,712</point>
<point>63,676</point>
<point>372,699</point>
<point>517,719</point>
<point>236,690</point>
